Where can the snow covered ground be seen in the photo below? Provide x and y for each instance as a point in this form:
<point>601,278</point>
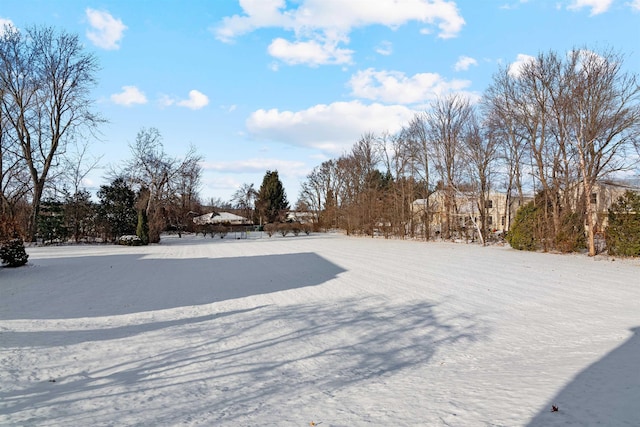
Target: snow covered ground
<point>319,329</point>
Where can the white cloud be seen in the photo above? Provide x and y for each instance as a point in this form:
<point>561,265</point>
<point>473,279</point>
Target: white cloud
<point>515,68</point>
<point>320,26</point>
<point>464,62</point>
<point>196,101</point>
<point>635,4</point>
<point>106,31</point>
<point>342,15</point>
<point>166,101</point>
<point>258,14</point>
<point>130,95</point>
<point>597,6</point>
<point>312,53</point>
<point>386,48</point>
<point>332,128</point>
<point>396,87</point>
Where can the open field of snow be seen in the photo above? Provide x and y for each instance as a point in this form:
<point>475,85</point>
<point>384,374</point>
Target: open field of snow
<point>318,329</point>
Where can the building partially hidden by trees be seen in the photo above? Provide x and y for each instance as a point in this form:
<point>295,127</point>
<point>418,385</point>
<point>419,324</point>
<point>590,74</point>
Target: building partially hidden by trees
<point>467,218</point>
<point>550,132</point>
<point>538,151</point>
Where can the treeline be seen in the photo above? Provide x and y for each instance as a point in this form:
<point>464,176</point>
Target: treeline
<point>150,193</point>
<point>551,127</point>
<point>46,115</point>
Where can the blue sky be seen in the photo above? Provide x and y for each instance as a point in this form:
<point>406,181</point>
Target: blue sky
<point>260,85</point>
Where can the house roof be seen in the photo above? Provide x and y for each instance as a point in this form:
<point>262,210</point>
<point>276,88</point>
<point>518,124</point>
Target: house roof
<point>219,218</point>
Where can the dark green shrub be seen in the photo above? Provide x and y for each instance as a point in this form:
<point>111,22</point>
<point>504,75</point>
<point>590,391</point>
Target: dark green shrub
<point>51,222</point>
<point>12,253</point>
<point>623,231</point>
<point>142,230</point>
<point>522,234</point>
<point>570,237</point>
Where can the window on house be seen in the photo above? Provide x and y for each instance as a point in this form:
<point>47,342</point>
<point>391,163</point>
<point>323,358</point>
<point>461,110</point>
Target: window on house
<point>503,220</point>
<point>489,220</point>
<point>594,198</point>
<point>489,204</point>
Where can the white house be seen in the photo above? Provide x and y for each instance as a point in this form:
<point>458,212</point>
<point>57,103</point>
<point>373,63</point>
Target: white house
<point>221,218</point>
<point>500,210</point>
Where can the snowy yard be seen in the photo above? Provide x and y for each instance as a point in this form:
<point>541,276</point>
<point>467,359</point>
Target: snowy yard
<point>321,329</point>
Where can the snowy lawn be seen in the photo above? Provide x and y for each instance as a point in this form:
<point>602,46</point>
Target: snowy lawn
<point>321,329</point>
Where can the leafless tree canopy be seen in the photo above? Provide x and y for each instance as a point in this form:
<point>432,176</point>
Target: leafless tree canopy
<point>168,186</point>
<point>555,126</point>
<point>45,79</point>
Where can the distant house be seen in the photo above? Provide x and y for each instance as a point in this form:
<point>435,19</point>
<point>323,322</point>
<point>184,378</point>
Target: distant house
<point>218,218</point>
<point>500,211</point>
<point>603,194</point>
<point>301,217</point>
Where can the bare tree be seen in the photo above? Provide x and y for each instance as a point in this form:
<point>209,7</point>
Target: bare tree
<point>397,157</point>
<point>502,125</point>
<point>446,122</point>
<point>77,164</point>
<point>363,174</point>
<point>419,146</point>
<point>603,121</point>
<point>170,184</point>
<point>537,102</point>
<point>244,199</point>
<point>480,151</point>
<point>14,178</point>
<point>45,79</point>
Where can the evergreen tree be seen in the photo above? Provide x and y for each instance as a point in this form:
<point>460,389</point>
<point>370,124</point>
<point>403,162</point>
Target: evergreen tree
<point>12,251</point>
<point>142,231</point>
<point>623,232</point>
<point>51,221</point>
<point>117,209</point>
<point>79,214</point>
<point>523,233</point>
<point>271,203</point>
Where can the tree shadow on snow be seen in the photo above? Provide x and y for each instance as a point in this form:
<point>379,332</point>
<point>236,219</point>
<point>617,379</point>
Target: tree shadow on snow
<point>605,393</point>
<point>266,360</point>
<point>63,288</point>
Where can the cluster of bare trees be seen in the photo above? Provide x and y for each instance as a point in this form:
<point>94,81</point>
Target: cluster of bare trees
<point>45,81</point>
<point>167,187</point>
<point>46,118</point>
<point>552,127</point>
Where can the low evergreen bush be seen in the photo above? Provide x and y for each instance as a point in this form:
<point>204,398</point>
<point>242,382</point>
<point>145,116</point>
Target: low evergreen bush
<point>521,235</point>
<point>623,231</point>
<point>571,237</point>
<point>13,253</point>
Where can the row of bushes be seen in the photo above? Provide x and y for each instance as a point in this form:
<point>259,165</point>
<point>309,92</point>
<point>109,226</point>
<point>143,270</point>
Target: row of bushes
<point>213,230</point>
<point>622,235</point>
<point>286,228</point>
